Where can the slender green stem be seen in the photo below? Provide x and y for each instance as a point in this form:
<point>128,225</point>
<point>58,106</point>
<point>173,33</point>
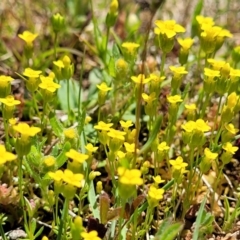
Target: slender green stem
<point>163,63</point>
<point>63,219</point>
<point>68,97</point>
<point>20,185</point>
<point>55,45</point>
<point>205,104</point>
<point>2,233</point>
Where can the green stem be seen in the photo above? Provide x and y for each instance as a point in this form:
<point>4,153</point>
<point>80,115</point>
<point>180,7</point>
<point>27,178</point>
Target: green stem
<point>63,220</point>
<point>20,185</point>
<point>205,105</point>
<point>68,98</point>
<point>163,63</point>
<point>2,233</point>
<point>55,45</point>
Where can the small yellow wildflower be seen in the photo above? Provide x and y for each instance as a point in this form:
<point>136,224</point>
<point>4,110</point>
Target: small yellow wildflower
<point>130,47</point>
<point>158,179</point>
<point>205,20</point>
<point>56,176</point>
<point>49,161</point>
<point>102,126</point>
<point>211,73</point>
<point>25,130</point>
<point>228,147</point>
<point>93,235</point>
<point>127,124</point>
<point>155,193</point>
<point>93,174</point>
<point>28,37</point>
<point>149,98</point>
<point>210,155</point>
<point>59,63</point>
<point>6,156</point>
<point>178,71</point>
<point>230,128</point>
<point>72,179</point>
<point>28,72</point>
<point>191,107</point>
<point>163,147</point>
<point>90,148</point>
<point>178,165</point>
<point>156,78</point>
<point>48,84</point>
<point>174,99</point>
<point>70,133</point>
<point>232,100</point>
<point>140,79</point>
<point>189,126</point>
<point>202,126</point>
<point>186,43</point>
<point>76,156</point>
<point>113,7</point>
<point>121,154</point>
<point>103,87</point>
<point>116,134</point>
<point>13,121</point>
<point>10,101</point>
<point>130,176</point>
<point>130,148</point>
<point>88,119</point>
<point>4,81</point>
<point>168,28</point>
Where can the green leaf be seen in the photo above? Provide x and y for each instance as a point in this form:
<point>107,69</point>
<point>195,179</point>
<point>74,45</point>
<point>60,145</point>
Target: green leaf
<point>56,126</point>
<point>197,11</point>
<point>168,230</point>
<point>62,158</point>
<point>92,201</point>
<point>153,135</point>
<point>199,219</point>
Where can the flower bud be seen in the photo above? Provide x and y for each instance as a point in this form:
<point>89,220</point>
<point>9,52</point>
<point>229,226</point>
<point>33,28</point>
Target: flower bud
<point>58,22</point>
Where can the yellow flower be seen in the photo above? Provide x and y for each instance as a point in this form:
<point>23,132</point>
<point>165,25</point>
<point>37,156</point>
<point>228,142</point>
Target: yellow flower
<point>178,71</point>
<point>70,133</point>
<point>13,121</point>
<point>113,7</point>
<point>205,20</point>
<point>116,134</point>
<point>88,119</point>
<point>6,156</point>
<point>76,156</point>
<point>163,147</point>
<point>234,73</point>
<point>130,148</point>
<point>156,78</point>
<point>48,84</point>
<point>202,126</point>
<point>178,164</point>
<point>103,126</point>
<point>140,79</point>
<point>174,99</point>
<point>28,37</point>
<point>189,126</point>
<point>169,28</point>
<point>232,100</point>
<point>229,148</point>
<point>158,179</point>
<point>28,72</point>
<point>211,73</point>
<point>72,179</point>
<point>90,148</point>
<point>230,128</point>
<point>10,101</point>
<point>210,155</point>
<point>186,43</point>
<point>25,130</point>
<point>155,193</point>
<point>4,81</point>
<point>130,176</point>
<point>149,98</point>
<point>216,64</point>
<point>93,235</point>
<point>103,87</point>
<point>126,125</point>
<point>56,176</point>
<point>130,47</point>
<point>59,63</point>
<point>191,107</point>
<point>49,161</point>
<point>121,154</point>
